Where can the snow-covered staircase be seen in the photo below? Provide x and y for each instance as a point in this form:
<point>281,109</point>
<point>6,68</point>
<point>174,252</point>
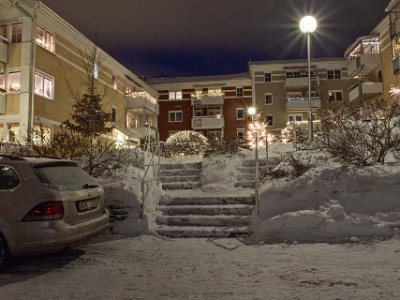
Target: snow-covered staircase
<point>202,215</point>
<point>180,176</point>
<point>246,174</point>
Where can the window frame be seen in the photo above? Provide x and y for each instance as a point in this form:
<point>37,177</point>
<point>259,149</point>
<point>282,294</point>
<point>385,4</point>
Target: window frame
<point>335,92</point>
<point>175,95</point>
<point>16,36</point>
<point>44,38</point>
<point>241,131</point>
<point>267,75</point>
<point>295,118</point>
<point>238,109</point>
<point>272,119</point>
<point>8,82</point>
<point>113,114</point>
<point>265,98</point>
<point>333,74</point>
<point>47,78</point>
<point>239,92</point>
<point>175,112</point>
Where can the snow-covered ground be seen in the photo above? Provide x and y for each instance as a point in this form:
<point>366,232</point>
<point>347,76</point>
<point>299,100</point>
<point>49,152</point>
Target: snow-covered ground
<point>329,202</point>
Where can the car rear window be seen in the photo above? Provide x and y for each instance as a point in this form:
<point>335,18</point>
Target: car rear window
<point>65,177</point>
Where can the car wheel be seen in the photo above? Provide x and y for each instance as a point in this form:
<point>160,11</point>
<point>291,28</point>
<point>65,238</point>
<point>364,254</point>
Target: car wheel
<point>4,255</point>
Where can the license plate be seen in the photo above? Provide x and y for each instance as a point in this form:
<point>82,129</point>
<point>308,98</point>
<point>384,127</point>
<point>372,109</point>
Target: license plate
<point>86,205</point>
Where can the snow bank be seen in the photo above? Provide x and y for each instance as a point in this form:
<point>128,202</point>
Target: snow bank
<point>330,202</point>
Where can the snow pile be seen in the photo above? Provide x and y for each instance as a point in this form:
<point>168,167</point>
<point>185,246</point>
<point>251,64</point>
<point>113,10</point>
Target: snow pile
<point>123,199</point>
<point>329,202</point>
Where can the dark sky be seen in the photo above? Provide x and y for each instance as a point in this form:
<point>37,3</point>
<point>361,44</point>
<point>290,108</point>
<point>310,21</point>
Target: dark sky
<point>211,37</point>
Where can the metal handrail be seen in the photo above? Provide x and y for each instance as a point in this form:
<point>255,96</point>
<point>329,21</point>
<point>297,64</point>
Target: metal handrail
<point>146,186</point>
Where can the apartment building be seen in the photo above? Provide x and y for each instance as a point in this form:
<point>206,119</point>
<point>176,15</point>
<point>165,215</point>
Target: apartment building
<point>280,89</point>
<point>215,106</point>
<point>42,57</point>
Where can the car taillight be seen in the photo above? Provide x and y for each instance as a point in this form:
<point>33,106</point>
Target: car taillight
<point>51,210</point>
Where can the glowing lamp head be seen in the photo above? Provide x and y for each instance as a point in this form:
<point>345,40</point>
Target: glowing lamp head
<point>251,111</point>
<point>308,24</point>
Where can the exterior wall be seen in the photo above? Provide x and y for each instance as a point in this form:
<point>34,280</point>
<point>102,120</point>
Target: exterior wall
<point>66,68</point>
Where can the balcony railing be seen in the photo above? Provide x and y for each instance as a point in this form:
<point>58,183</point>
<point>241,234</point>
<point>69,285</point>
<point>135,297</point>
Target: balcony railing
<point>141,101</point>
<point>365,90</point>
<point>207,123</point>
<point>301,104</point>
<point>208,100</point>
<point>301,81</point>
<point>3,51</point>
<point>363,64</point>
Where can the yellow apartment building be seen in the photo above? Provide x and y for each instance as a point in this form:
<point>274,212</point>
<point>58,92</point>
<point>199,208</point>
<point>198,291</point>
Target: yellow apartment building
<point>42,58</point>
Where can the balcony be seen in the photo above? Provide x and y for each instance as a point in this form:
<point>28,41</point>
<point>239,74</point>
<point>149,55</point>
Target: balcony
<point>301,81</point>
<point>3,52</point>
<point>207,123</point>
<point>365,90</point>
<point>363,64</point>
<point>301,104</point>
<point>141,100</point>
<point>208,100</point>
<point>2,104</point>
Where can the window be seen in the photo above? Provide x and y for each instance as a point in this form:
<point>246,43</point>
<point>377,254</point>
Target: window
<point>113,114</point>
<point>239,113</point>
<point>14,82</point>
<point>293,74</point>
<point>44,39</point>
<point>114,83</point>
<point>3,32</point>
<point>44,86</point>
<point>267,77</point>
<point>269,119</point>
<point>335,95</point>
<point>16,32</point>
<point>295,118</point>
<point>239,92</point>
<point>334,74</point>
<point>8,178</point>
<point>268,99</point>
<point>175,95</point>
<point>95,71</point>
<point>175,116</point>
<point>240,134</point>
<point>2,82</point>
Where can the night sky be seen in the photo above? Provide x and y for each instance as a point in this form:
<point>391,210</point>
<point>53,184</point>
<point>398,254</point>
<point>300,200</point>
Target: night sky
<point>211,37</point>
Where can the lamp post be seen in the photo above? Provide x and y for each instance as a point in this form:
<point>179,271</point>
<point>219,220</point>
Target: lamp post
<point>308,25</point>
<point>252,112</point>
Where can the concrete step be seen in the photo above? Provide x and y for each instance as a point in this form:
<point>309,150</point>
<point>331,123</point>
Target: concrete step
<point>181,172</point>
<point>178,178</point>
<point>200,232</point>
<point>207,200</point>
<point>208,210</point>
<point>183,166</point>
<point>218,220</point>
<point>179,185</point>
<point>262,162</point>
<point>245,183</point>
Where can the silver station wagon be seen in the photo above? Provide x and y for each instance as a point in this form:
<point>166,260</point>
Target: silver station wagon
<point>46,205</point>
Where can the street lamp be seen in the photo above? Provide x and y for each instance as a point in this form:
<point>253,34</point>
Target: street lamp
<point>308,25</point>
<point>252,112</point>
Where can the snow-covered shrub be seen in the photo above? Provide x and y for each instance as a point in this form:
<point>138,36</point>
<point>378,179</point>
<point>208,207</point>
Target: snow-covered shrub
<point>287,134</point>
<point>184,143</point>
<point>15,149</point>
<point>221,147</point>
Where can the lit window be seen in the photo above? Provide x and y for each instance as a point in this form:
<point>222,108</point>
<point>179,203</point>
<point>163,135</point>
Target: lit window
<point>44,39</point>
<point>293,74</point>
<point>267,77</point>
<point>239,113</point>
<point>334,74</point>
<point>115,83</point>
<point>175,116</point>
<point>239,92</point>
<point>269,119</point>
<point>14,84</point>
<point>268,99</point>
<point>95,71</point>
<point>175,95</point>
<point>16,32</point>
<point>44,86</point>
